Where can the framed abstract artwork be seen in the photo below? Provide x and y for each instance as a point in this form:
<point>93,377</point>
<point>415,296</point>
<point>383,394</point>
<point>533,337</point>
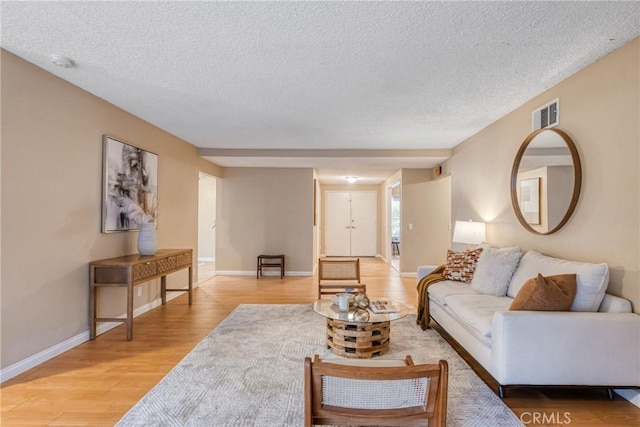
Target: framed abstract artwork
<point>130,186</point>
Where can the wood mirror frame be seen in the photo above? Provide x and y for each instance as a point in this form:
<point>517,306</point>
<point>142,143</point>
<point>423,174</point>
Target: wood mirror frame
<point>577,181</point>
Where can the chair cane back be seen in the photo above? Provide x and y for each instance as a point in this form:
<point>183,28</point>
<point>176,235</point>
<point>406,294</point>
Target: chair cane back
<point>371,392</point>
<point>339,270</point>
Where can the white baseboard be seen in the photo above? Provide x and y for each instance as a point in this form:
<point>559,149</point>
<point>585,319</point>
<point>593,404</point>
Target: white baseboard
<point>264,273</point>
<point>631,394</point>
<point>38,358</point>
<point>297,273</point>
<point>234,273</point>
<point>57,349</point>
<point>205,259</point>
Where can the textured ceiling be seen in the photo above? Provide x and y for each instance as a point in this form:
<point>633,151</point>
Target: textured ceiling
<point>318,75</point>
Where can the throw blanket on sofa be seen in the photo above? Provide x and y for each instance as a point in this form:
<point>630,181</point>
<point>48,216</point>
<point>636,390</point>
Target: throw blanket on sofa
<point>423,301</point>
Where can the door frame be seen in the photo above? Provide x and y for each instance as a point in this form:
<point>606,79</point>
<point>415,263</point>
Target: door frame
<point>389,225</point>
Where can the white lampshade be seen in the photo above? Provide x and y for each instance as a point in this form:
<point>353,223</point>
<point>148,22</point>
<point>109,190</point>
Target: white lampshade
<point>469,232</point>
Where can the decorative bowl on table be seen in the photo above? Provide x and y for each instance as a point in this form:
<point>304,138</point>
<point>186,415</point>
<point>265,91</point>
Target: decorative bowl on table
<point>361,300</point>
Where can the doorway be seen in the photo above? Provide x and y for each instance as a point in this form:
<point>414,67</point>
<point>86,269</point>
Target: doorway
<point>350,222</point>
<point>206,227</point>
<point>394,225</point>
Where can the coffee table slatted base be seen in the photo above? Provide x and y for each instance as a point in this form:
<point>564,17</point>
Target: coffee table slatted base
<point>358,340</point>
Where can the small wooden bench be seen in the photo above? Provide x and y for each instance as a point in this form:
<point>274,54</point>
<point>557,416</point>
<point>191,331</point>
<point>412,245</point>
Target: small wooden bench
<point>270,261</point>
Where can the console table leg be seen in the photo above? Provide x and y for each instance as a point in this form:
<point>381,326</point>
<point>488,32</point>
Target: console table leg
<point>163,289</point>
<point>190,284</point>
<point>92,305</point>
<point>130,312</point>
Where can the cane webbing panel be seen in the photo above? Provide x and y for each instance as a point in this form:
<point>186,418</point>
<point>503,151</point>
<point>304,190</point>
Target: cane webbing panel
<point>166,264</point>
<point>183,259</point>
<point>373,394</point>
<point>142,271</point>
<point>339,269</point>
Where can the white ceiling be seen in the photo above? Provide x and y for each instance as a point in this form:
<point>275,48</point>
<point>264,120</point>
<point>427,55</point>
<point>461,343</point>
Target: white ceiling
<point>318,75</point>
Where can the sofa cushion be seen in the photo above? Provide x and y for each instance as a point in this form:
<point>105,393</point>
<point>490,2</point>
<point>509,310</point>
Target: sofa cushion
<point>553,293</point>
<point>461,265</point>
<point>439,291</point>
<point>494,270</point>
<point>476,310</point>
<point>613,304</point>
<point>592,279</point>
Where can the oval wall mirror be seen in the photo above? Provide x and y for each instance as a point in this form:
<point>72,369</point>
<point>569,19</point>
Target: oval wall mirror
<point>545,181</point>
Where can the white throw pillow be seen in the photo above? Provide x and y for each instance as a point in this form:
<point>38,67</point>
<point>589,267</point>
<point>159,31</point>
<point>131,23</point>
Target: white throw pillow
<point>592,279</point>
<point>494,270</point>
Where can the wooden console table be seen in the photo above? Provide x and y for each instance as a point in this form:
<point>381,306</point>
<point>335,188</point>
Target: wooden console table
<point>131,270</point>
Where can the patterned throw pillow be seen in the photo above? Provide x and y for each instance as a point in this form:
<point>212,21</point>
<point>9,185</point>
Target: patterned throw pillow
<point>460,266</point>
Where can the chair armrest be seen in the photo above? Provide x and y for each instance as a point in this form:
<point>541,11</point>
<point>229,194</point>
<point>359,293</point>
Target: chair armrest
<point>566,348</point>
<point>425,270</point>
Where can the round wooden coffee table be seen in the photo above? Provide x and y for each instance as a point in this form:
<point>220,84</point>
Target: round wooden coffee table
<point>358,333</point>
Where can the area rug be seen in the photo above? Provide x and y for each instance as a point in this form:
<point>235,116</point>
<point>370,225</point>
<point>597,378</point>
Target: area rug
<point>249,372</point>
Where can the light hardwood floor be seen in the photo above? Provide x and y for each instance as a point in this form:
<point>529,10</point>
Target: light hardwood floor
<point>95,383</point>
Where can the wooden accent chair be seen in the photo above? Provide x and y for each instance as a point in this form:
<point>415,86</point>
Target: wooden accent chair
<point>339,269</point>
<point>375,392</point>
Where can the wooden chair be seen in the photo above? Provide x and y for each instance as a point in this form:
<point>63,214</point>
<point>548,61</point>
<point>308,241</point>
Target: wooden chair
<point>339,269</point>
<point>375,392</point>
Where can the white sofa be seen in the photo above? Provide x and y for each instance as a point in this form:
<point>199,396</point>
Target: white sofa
<point>579,348</point>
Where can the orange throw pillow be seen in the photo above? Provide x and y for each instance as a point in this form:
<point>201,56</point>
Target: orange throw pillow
<point>553,293</point>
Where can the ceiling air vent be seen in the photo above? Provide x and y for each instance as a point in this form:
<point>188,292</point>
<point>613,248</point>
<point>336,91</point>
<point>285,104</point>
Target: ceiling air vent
<point>546,116</point>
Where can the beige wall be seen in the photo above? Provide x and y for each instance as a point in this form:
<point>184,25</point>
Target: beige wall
<point>600,110</point>
<point>350,187</point>
<point>51,205</point>
<point>426,206</point>
<point>265,211</point>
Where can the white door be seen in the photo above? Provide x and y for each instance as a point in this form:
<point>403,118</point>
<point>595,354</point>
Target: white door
<point>363,223</point>
<point>206,226</point>
<point>350,223</point>
<point>338,224</point>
